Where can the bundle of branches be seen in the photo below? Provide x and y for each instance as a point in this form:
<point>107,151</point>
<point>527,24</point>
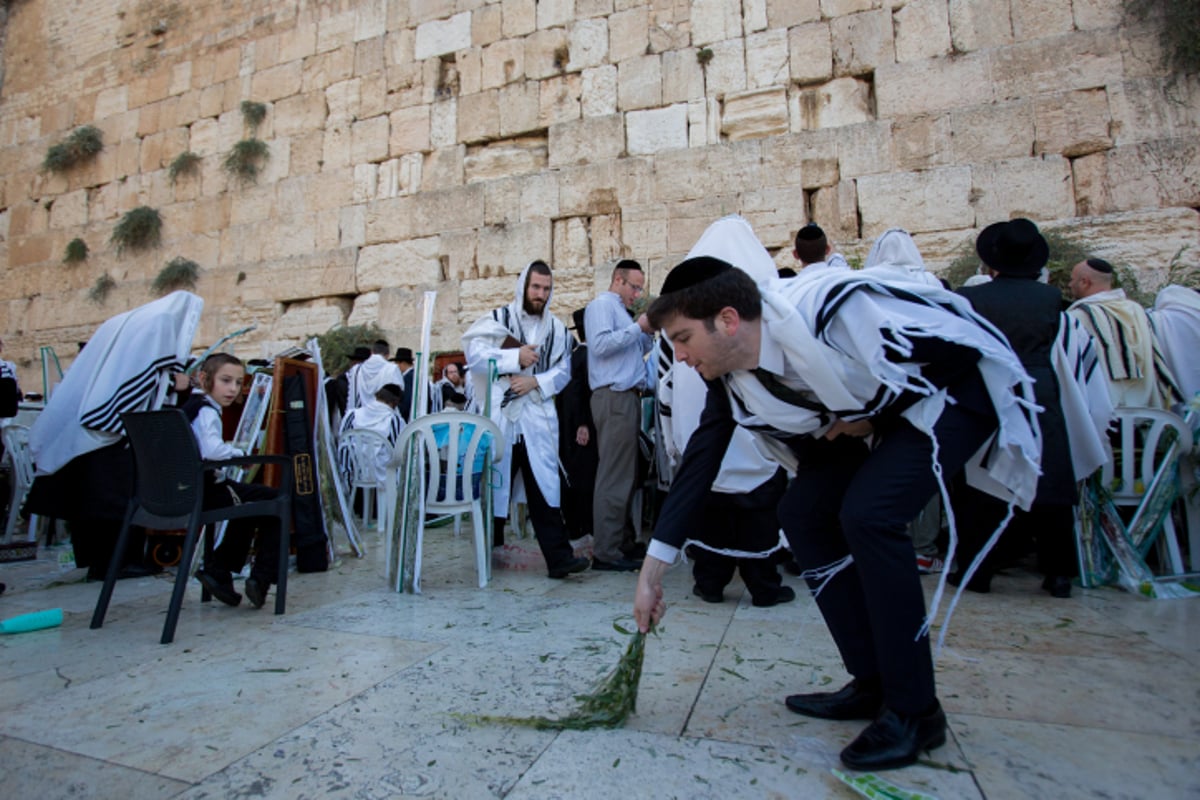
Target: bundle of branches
<point>607,706</point>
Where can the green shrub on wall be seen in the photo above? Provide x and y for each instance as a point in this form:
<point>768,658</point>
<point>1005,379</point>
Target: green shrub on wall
<point>246,159</point>
<point>101,288</point>
<point>186,163</point>
<point>253,114</point>
<point>178,273</point>
<point>139,229</point>
<point>338,343</point>
<point>77,250</point>
<point>81,145</point>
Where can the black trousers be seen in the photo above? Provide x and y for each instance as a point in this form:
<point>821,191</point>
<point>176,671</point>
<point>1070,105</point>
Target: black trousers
<point>740,522</point>
<point>847,499</point>
<point>1051,527</point>
<point>548,524</point>
<point>239,533</point>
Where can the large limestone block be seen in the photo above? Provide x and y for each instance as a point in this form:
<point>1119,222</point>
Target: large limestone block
<point>1082,60</point>
<point>506,250</point>
<point>479,117</point>
<point>365,310</point>
<point>657,129</point>
<point>325,69</point>
<point>809,158</point>
<point>682,76</point>
<point>443,123</point>
<point>335,31</point>
<point>936,84</point>
<point>479,296</point>
<point>295,115</point>
<point>992,132</point>
<point>112,100</point>
<point>503,62</point>
<point>599,93</point>
<point>369,140</point>
<point>775,213</point>
<point>841,101</point>
<point>457,208</point>
<point>572,247</point>
<point>606,188</point>
<point>1149,174</point>
<point>754,16</point>
<point>443,168</point>
<point>352,226</point>
<point>457,254</point>
<point>1147,239</point>
<point>252,204</point>
<point>298,43</point>
<point>862,42</point>
<point>788,13</point>
<point>715,21</point>
<point>389,220</point>
<point>644,229</point>
<point>726,72</point>
<point>1037,188</point>
<point>1093,14</point>
<point>413,262</point>
<point>835,208</point>
<point>923,142</point>
<point>1146,109</point>
<point>502,199</point>
<point>370,19</point>
<point>754,115</point>
<point>519,17</point>
<point>409,130</point>
<point>922,30</point>
<point>1072,123</point>
<point>810,53</point>
<point>588,43</point>
<point>1035,19</point>
<point>469,65</point>
<point>304,319</point>
<point>558,99</point>
<point>69,210</point>
<point>276,82</point>
<point>978,26</point>
<point>767,59</point>
<point>864,149</point>
<point>486,25</point>
<point>546,53</point>
<point>703,172</point>
<point>520,108</point>
<point>440,36</point>
<point>840,8</point>
<point>504,159</point>
<point>627,34</point>
<point>301,276</point>
<point>639,83</point>
<point>587,140</point>
<point>936,199</point>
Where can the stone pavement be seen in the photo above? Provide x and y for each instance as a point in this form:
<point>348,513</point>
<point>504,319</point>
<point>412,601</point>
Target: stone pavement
<point>352,693</point>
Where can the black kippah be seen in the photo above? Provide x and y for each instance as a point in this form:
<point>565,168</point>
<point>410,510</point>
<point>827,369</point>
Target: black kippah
<point>1100,265</point>
<point>810,232</point>
<point>691,271</point>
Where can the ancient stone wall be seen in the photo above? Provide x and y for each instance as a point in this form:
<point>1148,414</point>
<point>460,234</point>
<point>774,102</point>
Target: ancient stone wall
<point>443,144</point>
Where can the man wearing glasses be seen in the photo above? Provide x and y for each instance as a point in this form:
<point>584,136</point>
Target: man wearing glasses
<point>617,346</point>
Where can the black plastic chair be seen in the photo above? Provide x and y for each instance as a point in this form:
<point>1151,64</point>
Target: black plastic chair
<point>169,493</point>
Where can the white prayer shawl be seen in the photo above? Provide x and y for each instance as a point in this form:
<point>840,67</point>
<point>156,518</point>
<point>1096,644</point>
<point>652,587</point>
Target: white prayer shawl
<point>531,416</point>
<point>1083,394</point>
<point>369,377</point>
<point>1138,374</point>
<point>894,256</point>
<point>374,415</point>
<point>1176,320</point>
<point>843,359</point>
<point>126,366</point>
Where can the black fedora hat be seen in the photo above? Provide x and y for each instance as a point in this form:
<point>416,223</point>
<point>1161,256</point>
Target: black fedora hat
<point>1015,247</point>
<point>404,354</point>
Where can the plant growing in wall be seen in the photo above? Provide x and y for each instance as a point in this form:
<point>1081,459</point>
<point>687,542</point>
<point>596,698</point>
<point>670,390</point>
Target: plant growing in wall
<point>140,228</point>
<point>81,145</point>
<point>338,343</point>
<point>246,159</point>
<point>77,250</point>
<point>186,163</point>
<point>178,273</point>
<point>100,289</point>
<point>704,55</point>
<point>253,115</point>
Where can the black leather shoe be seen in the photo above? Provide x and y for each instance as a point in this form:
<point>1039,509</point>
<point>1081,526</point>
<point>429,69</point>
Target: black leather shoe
<point>223,591</point>
<point>708,597</point>
<point>256,591</point>
<point>620,565</point>
<point>567,567</point>
<point>853,701</point>
<point>895,740</point>
<point>784,594</point>
<point>1057,585</point>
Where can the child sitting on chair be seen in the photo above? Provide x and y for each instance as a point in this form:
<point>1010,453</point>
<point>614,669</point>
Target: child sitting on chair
<point>221,378</point>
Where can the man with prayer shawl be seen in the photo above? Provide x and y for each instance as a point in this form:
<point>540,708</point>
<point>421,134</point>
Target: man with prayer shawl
<point>1137,373</point>
<point>368,377</point>
<point>532,352</point>
<point>1176,320</point>
<point>813,367</point>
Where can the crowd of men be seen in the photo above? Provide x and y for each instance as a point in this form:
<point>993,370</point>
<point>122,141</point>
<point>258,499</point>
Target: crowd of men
<point>813,416</point>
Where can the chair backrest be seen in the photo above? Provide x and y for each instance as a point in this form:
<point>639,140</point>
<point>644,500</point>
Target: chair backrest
<point>167,461</point>
<point>358,456</point>
<point>16,444</point>
<point>1144,439</point>
<point>450,444</point>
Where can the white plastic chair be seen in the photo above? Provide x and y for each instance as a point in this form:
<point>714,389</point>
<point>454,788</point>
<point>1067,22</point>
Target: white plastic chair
<point>1139,452</point>
<point>359,457</point>
<point>16,445</point>
<point>445,455</point>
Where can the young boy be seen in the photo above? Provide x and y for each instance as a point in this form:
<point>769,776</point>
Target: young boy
<point>221,378</point>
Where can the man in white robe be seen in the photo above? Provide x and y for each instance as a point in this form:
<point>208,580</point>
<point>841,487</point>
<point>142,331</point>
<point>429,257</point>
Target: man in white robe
<point>1176,320</point>
<point>368,377</point>
<point>531,351</point>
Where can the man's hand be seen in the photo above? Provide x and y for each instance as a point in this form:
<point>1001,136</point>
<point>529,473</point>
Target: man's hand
<point>582,437</point>
<point>648,605</point>
<point>522,384</point>
<point>858,429</point>
<point>644,323</point>
<point>528,355</point>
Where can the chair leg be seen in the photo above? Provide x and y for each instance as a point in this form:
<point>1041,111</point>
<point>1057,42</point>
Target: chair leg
<point>110,577</point>
<point>483,553</point>
<point>181,578</point>
<point>285,538</point>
